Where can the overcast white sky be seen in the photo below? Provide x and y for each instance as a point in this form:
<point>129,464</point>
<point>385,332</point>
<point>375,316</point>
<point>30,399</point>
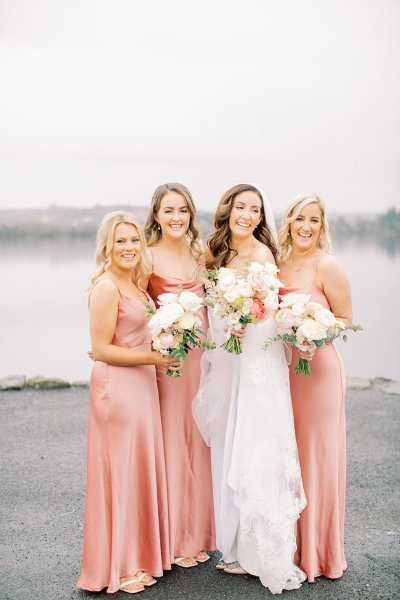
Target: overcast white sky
<point>101,101</point>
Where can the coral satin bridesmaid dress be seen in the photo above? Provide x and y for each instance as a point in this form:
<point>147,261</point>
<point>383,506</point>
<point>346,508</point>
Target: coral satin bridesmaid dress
<point>126,519</point>
<point>190,502</point>
<point>319,418</point>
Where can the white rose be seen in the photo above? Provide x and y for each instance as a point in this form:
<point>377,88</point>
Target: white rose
<point>325,317</point>
<point>226,279</point>
<point>298,309</point>
<point>244,289</point>
<point>154,325</point>
<point>255,267</point>
<point>311,330</point>
<point>169,313</point>
<point>271,302</point>
<point>259,282</point>
<point>187,321</point>
<point>190,301</point>
<point>290,299</point>
<point>166,341</point>
<point>285,319</point>
<point>232,295</point>
<point>167,298</point>
<point>312,308</point>
<point>270,269</point>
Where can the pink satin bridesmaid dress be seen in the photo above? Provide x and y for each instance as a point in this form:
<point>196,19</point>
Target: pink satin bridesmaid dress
<point>126,518</point>
<point>187,458</point>
<point>319,418</point>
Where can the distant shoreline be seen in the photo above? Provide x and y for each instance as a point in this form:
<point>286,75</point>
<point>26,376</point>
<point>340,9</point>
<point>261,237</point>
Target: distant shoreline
<point>39,382</point>
<point>81,223</point>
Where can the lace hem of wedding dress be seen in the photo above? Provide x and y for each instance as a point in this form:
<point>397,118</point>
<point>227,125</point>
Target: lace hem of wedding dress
<point>244,412</point>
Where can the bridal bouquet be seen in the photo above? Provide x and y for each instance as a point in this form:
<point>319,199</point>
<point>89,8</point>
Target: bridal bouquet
<point>306,325</point>
<point>242,298</point>
<point>175,325</point>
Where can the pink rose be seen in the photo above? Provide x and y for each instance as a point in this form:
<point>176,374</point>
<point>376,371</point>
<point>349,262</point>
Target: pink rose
<point>166,340</point>
<point>258,309</point>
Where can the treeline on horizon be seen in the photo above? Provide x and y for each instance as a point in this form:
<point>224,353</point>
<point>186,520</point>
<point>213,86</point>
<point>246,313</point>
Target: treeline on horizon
<point>56,222</point>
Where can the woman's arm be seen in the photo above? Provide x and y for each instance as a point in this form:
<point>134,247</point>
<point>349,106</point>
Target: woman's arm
<point>336,287</point>
<point>103,312</point>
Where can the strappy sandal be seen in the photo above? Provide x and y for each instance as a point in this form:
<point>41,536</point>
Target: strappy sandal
<point>129,582</point>
<point>179,561</point>
<point>202,560</point>
<point>234,568</point>
<point>221,565</point>
<point>142,574</point>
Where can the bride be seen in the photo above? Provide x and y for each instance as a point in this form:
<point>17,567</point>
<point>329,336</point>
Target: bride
<point>243,410</point>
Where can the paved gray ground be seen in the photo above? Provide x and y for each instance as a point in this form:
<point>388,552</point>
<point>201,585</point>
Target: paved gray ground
<point>43,439</point>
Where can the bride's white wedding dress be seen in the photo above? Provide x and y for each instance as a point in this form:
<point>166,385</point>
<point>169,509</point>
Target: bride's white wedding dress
<point>244,412</point>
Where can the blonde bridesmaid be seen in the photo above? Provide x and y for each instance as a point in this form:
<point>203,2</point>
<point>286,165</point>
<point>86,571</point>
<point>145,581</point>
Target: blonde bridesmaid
<point>308,266</point>
<point>126,519</point>
<point>177,255</point>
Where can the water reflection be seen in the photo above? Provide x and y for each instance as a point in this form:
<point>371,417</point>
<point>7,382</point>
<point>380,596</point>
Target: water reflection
<point>67,248</point>
<point>44,320</point>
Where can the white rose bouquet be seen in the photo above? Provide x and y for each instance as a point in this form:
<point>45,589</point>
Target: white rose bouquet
<point>175,325</point>
<point>242,298</point>
<point>306,325</point>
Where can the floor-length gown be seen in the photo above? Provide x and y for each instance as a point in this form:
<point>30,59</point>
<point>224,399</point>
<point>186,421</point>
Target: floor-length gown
<point>319,417</point>
<point>187,457</point>
<point>243,409</point>
<point>126,518</point>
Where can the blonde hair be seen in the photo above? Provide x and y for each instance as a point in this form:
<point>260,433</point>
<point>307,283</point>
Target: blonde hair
<point>105,242</point>
<point>152,230</point>
<point>219,240</point>
<point>292,212</point>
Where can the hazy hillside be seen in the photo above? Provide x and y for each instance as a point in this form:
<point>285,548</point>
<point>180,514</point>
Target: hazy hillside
<point>83,222</point>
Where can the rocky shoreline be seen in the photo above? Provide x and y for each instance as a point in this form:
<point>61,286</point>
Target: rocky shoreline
<point>40,382</point>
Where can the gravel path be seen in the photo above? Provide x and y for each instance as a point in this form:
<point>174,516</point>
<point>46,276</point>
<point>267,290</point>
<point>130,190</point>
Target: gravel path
<point>42,460</point>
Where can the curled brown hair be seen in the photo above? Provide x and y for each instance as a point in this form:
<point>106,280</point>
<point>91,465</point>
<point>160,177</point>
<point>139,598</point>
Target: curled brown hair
<point>219,240</point>
<point>151,229</point>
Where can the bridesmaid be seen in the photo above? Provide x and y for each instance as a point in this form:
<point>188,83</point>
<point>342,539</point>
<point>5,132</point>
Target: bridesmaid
<point>307,266</point>
<point>126,519</point>
<point>177,255</point>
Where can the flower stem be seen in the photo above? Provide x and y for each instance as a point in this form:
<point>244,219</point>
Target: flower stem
<point>303,367</point>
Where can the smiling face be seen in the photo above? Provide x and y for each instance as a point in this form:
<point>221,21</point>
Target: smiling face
<point>127,248</point>
<point>304,230</point>
<point>245,214</point>
<point>173,215</point>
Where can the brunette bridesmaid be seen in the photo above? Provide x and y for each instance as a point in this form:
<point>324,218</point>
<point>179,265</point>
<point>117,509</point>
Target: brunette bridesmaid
<point>126,519</point>
<point>177,255</point>
<point>307,266</point>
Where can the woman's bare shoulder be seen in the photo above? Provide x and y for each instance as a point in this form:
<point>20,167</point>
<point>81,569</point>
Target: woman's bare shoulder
<point>261,254</point>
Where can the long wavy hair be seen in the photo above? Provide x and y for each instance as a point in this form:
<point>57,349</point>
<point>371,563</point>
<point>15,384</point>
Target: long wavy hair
<point>105,242</point>
<point>292,212</point>
<point>219,240</point>
<point>152,230</point>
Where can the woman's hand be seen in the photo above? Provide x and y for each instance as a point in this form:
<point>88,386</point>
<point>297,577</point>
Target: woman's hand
<point>168,362</point>
<point>239,333</point>
<point>308,355</point>
<point>91,355</point>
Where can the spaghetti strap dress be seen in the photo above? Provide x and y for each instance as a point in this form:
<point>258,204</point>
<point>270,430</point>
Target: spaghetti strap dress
<point>187,457</point>
<point>126,517</point>
<point>319,418</point>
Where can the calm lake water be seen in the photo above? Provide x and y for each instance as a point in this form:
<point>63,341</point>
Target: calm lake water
<point>43,308</point>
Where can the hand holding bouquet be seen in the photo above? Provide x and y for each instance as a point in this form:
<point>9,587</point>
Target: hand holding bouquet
<point>242,298</point>
<point>175,325</point>
<point>306,325</point>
